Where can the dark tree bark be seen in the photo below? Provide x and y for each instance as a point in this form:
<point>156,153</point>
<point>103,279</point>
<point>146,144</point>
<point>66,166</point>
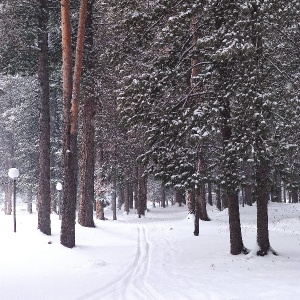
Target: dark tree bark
<point>294,195</point>
<point>44,195</point>
<point>224,199</point>
<point>99,210</point>
<point>209,194</point>
<point>262,167</point>
<point>191,202</point>
<point>86,196</point>
<point>218,198</point>
<point>121,196</point>
<point>262,208</point>
<point>135,187</point>
<point>197,217</point>
<point>248,190</point>
<point>53,192</point>
<point>141,196</point>
<point>276,188</point>
<point>200,197</point>
<point>54,129</point>
<point>131,201</point>
<point>145,191</point>
<point>163,195</point>
<point>236,241</point>
<point>179,197</point>
<point>114,192</point>
<point>126,195</point>
<point>284,192</point>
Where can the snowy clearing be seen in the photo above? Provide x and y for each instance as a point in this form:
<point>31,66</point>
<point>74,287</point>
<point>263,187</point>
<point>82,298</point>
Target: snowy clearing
<point>155,258</point>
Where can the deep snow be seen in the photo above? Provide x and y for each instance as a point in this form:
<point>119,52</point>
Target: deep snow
<point>156,257</point>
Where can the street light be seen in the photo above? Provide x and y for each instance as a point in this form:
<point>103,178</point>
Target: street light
<point>13,173</point>
<point>59,189</point>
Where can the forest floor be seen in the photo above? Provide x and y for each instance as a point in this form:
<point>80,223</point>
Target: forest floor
<point>152,258</point>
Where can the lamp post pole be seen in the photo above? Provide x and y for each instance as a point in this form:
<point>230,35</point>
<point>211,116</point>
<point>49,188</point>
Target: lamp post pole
<point>59,189</point>
<point>14,206</point>
<point>13,173</point>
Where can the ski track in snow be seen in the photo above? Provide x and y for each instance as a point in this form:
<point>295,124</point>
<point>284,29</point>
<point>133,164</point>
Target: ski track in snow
<point>132,283</point>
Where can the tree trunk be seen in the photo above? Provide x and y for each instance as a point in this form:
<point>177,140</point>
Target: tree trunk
<point>218,198</point>
<point>231,194</point>
<point>236,241</point>
<point>44,195</point>
<point>87,160</point>
<point>262,166</point>
<point>197,215</point>
<point>54,129</point>
<point>141,192</point>
<point>121,196</point>
<point>126,196</point>
<point>191,202</point>
<point>276,188</point>
<point>262,208</point>
<point>53,193</point>
<point>135,187</point>
<point>86,195</point>
<point>202,203</point>
<point>294,194</point>
<point>67,237</point>
<point>99,210</point>
<point>114,194</point>
<point>70,116</point>
<point>163,195</point>
<point>249,184</point>
<point>224,199</point>
<point>29,200</point>
<point>209,195</point>
<point>131,201</point>
<point>284,192</point>
<point>145,191</point>
<point>179,197</point>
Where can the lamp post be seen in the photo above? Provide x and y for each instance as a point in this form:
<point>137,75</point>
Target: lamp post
<point>13,173</point>
<point>59,189</point>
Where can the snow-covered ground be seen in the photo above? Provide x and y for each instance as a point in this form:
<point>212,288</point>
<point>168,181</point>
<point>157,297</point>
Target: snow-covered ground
<point>156,257</point>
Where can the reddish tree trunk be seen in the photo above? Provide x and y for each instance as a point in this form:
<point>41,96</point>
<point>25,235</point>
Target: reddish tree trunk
<point>67,237</point>
<point>70,116</point>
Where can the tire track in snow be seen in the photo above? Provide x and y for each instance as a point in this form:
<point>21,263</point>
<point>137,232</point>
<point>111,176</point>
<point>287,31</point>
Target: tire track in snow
<point>132,283</point>
<point>137,281</point>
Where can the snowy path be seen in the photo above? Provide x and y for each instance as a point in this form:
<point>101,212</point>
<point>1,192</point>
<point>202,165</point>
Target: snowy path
<point>132,283</point>
<point>153,258</point>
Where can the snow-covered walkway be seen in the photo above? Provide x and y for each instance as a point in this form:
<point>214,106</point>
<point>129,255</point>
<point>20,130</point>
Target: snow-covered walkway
<point>152,258</point>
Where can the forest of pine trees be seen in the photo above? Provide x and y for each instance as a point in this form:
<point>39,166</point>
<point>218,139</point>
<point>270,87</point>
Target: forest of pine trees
<point>198,99</point>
